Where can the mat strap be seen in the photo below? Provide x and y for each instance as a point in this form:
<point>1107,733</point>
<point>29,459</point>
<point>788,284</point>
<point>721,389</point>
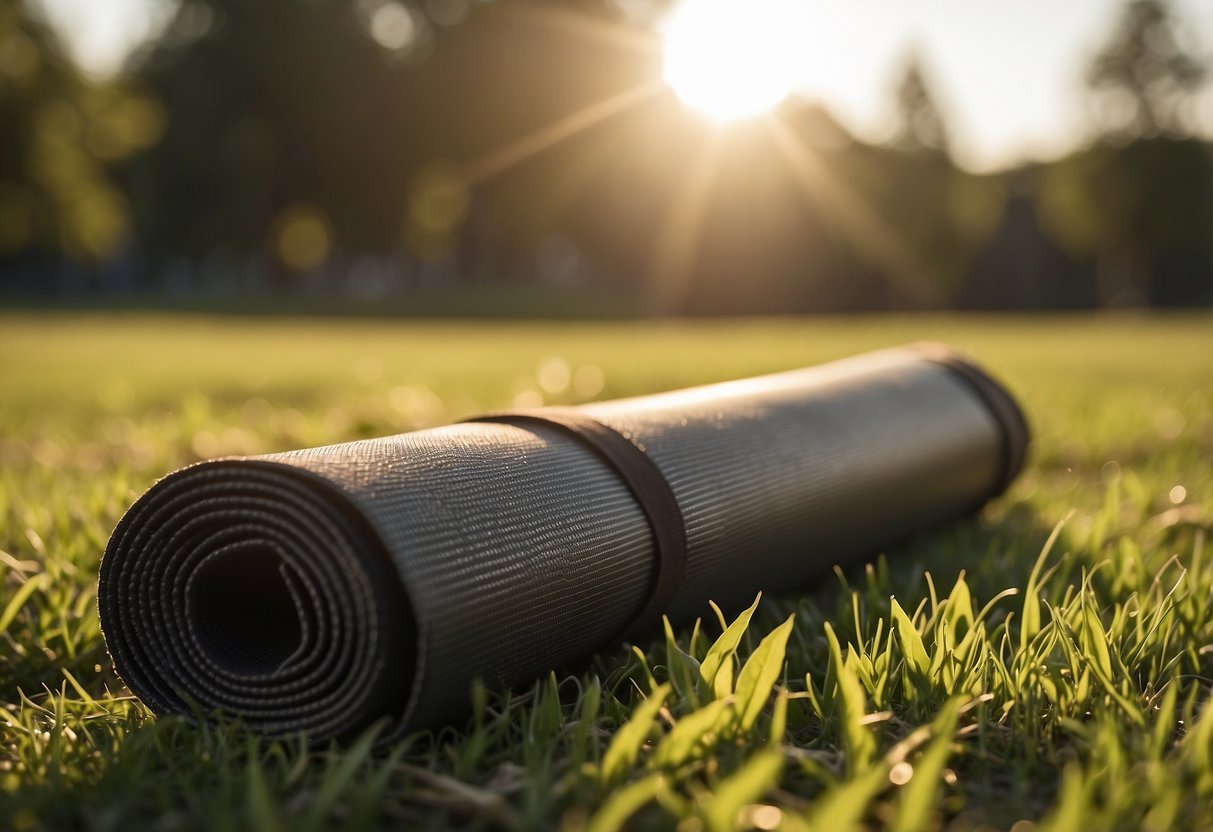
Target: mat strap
<point>647,484</point>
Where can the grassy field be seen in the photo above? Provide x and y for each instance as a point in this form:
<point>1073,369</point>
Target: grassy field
<point>988,676</point>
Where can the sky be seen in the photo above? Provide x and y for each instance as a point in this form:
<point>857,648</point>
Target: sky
<point>1006,73</point>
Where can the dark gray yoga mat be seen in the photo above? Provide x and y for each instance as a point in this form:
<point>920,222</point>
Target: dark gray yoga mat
<point>320,590</point>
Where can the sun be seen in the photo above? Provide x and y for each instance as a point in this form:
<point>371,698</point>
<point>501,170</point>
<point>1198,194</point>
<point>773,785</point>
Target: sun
<point>733,59</point>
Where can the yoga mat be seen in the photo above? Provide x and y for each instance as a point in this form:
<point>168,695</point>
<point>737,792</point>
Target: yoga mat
<point>320,590</point>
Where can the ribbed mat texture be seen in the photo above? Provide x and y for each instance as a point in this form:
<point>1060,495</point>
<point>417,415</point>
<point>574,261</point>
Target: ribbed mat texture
<point>320,590</point>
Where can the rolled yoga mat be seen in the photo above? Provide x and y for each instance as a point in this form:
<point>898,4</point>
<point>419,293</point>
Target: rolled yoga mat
<point>320,590</point>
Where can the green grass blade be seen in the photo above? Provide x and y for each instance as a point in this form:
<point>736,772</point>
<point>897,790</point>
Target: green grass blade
<point>858,742</point>
<point>913,650</point>
<point>693,733</point>
<point>719,658</point>
<point>842,808</point>
<point>754,779</point>
<point>681,667</point>
<point>1029,621</point>
<point>624,803</point>
<point>761,671</point>
<point>918,798</point>
<point>263,811</point>
<point>28,587</point>
<point>622,753</point>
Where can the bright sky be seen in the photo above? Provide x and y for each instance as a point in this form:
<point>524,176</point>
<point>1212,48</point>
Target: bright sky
<point>1007,73</point>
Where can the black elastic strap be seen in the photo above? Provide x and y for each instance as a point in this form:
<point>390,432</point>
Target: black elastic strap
<point>647,484</point>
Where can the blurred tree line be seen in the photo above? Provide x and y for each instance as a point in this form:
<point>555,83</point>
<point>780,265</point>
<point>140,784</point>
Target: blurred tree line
<point>61,138</point>
<point>380,147</point>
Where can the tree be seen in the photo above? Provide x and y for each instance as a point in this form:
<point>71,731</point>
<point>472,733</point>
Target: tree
<point>59,132</point>
<point>1143,214</point>
<point>340,110</point>
<point>1139,206</point>
<point>920,124</point>
<point>1145,75</point>
<point>919,196</point>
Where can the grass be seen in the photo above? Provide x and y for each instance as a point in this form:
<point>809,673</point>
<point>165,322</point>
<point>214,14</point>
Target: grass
<point>1047,665</point>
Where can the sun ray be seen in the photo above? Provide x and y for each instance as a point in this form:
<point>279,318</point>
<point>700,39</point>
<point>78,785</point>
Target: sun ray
<point>532,144</point>
<point>678,238</point>
<point>864,228</point>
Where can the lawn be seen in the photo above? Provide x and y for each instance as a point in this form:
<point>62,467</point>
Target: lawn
<point>1047,665</point>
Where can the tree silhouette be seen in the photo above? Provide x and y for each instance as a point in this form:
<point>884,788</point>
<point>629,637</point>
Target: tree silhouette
<point>1139,207</point>
<point>58,134</point>
<point>1144,76</point>
<point>920,124</point>
<point>341,112</point>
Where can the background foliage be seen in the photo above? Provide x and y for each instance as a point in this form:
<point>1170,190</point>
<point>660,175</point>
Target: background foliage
<point>379,149</point>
